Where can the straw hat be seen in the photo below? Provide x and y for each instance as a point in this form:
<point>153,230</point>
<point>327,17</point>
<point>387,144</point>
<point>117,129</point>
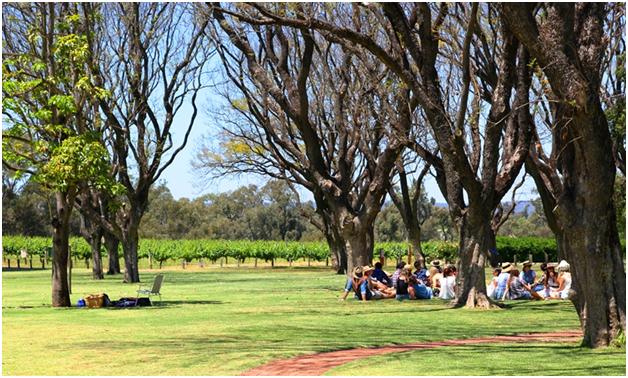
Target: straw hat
<point>357,270</point>
<point>527,263</point>
<point>506,267</point>
<point>367,268</point>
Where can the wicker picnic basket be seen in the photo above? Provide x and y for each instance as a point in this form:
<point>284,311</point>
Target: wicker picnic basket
<point>95,300</point>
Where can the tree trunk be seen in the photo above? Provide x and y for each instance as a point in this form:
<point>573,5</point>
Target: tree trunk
<point>475,236</point>
<point>111,245</point>
<point>600,282</point>
<point>60,245</point>
<point>414,238</point>
<point>359,249</point>
<point>97,271</point>
<point>337,250</point>
<point>129,246</point>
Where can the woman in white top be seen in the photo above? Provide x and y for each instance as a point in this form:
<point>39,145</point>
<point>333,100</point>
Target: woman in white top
<point>564,281</point>
<point>448,284</point>
<point>490,288</point>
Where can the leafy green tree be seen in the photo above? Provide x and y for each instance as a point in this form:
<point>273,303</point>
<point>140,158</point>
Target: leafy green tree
<point>48,115</point>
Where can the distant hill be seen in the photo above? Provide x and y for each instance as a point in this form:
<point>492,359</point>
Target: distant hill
<point>519,208</point>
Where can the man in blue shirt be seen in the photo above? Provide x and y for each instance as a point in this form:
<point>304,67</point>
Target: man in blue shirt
<point>380,275</point>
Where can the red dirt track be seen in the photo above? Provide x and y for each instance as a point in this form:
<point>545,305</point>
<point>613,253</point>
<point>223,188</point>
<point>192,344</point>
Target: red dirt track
<point>319,363</point>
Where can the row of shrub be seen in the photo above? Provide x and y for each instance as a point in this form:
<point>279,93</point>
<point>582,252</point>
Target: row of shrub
<point>213,250</point>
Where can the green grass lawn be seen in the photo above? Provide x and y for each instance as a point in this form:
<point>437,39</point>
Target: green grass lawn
<point>224,321</point>
<point>493,359</point>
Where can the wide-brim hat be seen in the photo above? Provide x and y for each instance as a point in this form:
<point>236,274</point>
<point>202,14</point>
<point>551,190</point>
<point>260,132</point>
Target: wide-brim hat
<point>367,268</point>
<point>436,263</point>
<point>357,270</point>
<point>551,265</point>
<point>506,267</point>
<point>527,263</point>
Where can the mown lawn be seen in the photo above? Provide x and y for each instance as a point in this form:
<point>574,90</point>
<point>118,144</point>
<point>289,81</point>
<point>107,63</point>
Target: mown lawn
<point>224,321</point>
<point>493,359</point>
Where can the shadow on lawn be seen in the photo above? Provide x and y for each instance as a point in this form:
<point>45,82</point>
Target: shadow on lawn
<point>22,269</point>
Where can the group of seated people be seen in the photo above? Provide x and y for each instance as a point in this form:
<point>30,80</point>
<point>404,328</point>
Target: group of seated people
<point>370,283</point>
<point>509,283</point>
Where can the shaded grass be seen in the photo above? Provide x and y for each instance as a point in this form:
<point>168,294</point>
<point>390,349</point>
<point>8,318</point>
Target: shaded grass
<point>225,321</point>
<point>496,359</point>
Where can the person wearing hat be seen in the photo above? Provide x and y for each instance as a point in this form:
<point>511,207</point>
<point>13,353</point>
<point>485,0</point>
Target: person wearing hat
<point>564,281</point>
<point>361,284</point>
<point>378,290</point>
<point>436,273</point>
<point>435,267</point>
<point>502,281</point>
<point>527,274</point>
<point>352,283</point>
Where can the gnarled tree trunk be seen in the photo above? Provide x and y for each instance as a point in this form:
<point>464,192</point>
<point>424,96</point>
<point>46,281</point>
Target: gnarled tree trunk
<point>476,237</point>
<point>111,245</point>
<point>130,243</point>
<point>92,232</point>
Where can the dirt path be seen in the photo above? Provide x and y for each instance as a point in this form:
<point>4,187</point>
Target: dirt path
<point>319,363</point>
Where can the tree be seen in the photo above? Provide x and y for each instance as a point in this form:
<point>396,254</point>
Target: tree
<point>313,113</point>
<point>24,207</point>
<point>49,133</point>
<point>470,161</point>
<point>151,57</point>
<point>412,205</point>
<point>576,179</point>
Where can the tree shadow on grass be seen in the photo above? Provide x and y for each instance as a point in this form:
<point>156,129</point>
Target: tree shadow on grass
<point>22,269</point>
<point>166,304</point>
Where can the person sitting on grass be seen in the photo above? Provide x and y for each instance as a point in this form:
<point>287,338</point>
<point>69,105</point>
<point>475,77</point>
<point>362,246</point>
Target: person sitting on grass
<point>403,284</point>
<point>538,283</point>
<point>436,274</point>
<point>519,289</point>
<point>502,282</point>
<point>397,272</point>
<point>435,268</point>
<point>420,273</point>
<point>564,281</point>
<point>380,275</point>
<point>356,274</point>
<point>378,289</point>
<point>418,290</point>
<point>527,274</point>
<point>549,281</point>
<point>490,288</point>
<point>447,284</point>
